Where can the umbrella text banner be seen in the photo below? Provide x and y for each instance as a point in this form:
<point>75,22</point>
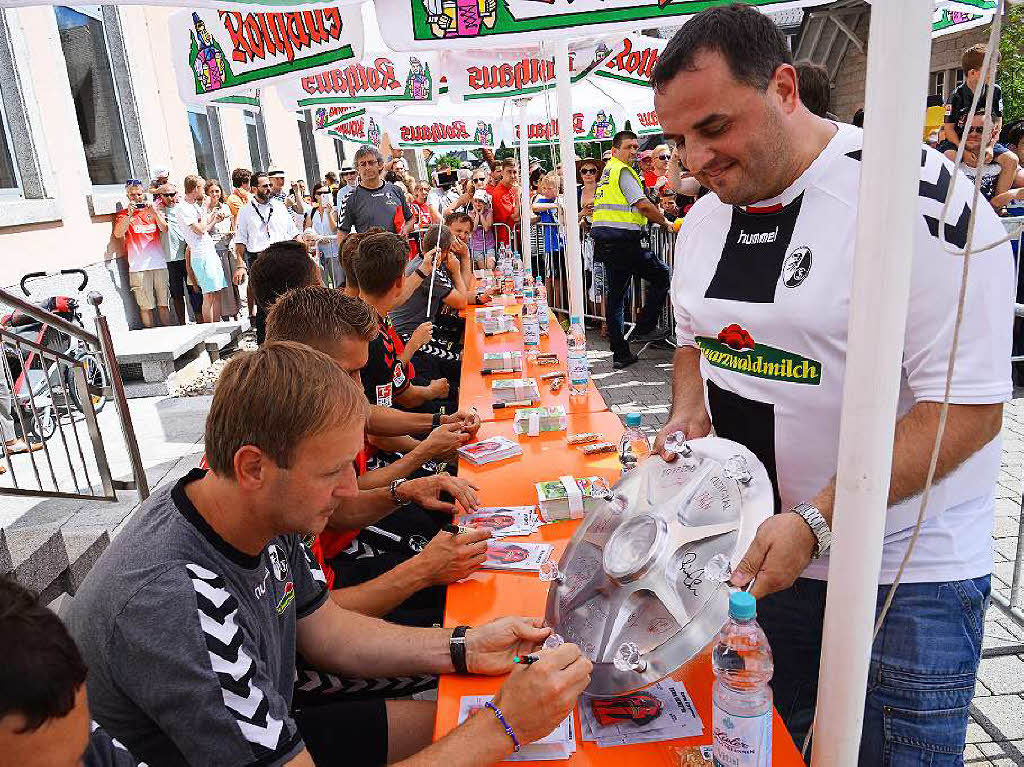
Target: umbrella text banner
<point>462,24</point>
<point>224,52</point>
<point>378,77</point>
<point>632,59</point>
<point>486,74</point>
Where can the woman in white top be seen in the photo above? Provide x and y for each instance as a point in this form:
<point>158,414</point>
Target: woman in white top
<point>323,219</point>
<point>222,233</point>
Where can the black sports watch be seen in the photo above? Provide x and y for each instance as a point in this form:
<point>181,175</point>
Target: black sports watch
<point>435,421</point>
<point>457,648</point>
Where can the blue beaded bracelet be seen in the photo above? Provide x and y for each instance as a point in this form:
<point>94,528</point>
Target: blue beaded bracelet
<point>501,718</point>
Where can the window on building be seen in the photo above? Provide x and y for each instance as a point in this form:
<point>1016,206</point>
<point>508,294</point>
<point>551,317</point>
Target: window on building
<point>339,152</point>
<point>309,158</point>
<point>202,140</point>
<point>84,39</point>
<point>9,181</point>
<point>257,135</point>
<point>958,76</point>
<point>937,83</point>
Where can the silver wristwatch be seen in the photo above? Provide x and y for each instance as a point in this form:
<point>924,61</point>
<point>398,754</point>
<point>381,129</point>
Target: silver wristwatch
<point>395,497</point>
<point>818,525</point>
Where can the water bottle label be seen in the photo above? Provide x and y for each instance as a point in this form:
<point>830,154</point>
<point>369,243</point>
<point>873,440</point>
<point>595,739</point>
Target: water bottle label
<point>741,741</point>
<point>578,371</point>
<point>531,332</point>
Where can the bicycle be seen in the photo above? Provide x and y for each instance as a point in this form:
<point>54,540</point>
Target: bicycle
<point>44,390</point>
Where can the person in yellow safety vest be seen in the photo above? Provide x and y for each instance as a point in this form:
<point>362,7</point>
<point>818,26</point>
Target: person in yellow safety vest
<point>621,212</point>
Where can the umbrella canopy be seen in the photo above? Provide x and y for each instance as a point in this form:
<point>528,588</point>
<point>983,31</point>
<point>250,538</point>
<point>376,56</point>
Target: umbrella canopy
<point>221,53</point>
<point>379,77</point>
<point>463,24</point>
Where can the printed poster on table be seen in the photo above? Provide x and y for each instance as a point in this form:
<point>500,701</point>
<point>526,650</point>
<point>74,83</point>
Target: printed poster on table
<point>378,77</point>
<point>483,74</point>
<point>221,52</point>
<point>462,24</point>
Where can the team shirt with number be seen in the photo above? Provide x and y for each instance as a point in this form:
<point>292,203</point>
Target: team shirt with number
<point>764,293</point>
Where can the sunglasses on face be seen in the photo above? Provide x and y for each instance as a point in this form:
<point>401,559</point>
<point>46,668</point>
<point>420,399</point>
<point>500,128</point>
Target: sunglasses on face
<point>479,180</point>
<point>588,171</point>
<point>663,156</point>
<point>133,182</point>
<point>170,196</point>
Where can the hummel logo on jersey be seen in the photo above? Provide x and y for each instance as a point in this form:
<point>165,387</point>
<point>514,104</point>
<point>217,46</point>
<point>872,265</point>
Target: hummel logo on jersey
<point>757,238</point>
<point>736,351</point>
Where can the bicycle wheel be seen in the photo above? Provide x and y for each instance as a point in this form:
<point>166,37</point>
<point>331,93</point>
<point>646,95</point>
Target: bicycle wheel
<point>96,381</point>
<point>45,426</point>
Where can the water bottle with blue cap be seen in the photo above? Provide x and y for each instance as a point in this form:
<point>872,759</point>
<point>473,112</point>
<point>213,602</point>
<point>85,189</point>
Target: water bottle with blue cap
<point>741,700</point>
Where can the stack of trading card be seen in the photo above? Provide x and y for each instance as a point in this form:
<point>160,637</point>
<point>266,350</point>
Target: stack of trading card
<point>533,420</point>
<point>505,323</point>
<point>503,362</point>
<point>486,313</point>
<point>508,390</point>
<point>489,450</point>
<point>661,712</point>
<point>559,744</point>
<point>570,497</point>
<point>502,521</point>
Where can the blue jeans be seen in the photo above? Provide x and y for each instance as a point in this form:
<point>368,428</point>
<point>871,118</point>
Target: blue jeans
<point>922,672</point>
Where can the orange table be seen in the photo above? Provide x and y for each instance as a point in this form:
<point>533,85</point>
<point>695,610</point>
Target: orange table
<point>475,389</point>
<point>488,595</point>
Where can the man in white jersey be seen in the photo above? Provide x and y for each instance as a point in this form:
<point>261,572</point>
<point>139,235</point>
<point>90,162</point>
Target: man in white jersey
<point>761,293</point>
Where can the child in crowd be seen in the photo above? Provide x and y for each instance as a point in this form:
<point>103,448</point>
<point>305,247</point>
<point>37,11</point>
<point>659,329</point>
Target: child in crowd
<point>959,118</point>
<point>481,243</point>
<point>547,208</point>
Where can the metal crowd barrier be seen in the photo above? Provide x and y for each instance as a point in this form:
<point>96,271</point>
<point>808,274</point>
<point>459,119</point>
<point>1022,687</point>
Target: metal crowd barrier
<point>53,374</point>
<point>549,252</point>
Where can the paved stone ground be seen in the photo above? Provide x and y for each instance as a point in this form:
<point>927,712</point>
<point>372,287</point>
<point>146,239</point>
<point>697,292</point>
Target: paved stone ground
<point>995,735</point>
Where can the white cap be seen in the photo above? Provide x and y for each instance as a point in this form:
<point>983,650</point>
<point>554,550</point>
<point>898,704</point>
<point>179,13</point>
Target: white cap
<point>480,194</point>
<point>161,172</point>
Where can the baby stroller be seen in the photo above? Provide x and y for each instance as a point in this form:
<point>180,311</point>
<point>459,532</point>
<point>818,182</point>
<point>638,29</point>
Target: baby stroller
<point>43,388</point>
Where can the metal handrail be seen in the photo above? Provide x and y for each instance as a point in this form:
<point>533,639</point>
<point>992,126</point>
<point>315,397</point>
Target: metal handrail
<point>102,343</point>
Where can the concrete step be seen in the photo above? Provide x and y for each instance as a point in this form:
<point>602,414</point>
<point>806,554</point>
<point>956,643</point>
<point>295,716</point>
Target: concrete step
<point>38,556</point>
<point>149,358</point>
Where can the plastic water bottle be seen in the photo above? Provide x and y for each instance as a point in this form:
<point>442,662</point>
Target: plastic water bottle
<point>633,444</point>
<point>531,328</point>
<point>741,700</point>
<point>576,358</point>
<point>542,306</point>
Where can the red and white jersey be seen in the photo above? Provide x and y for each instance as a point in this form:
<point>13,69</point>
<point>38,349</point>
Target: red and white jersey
<point>764,293</point>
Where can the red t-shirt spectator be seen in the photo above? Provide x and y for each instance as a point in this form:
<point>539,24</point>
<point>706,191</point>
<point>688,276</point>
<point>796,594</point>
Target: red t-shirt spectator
<point>142,239</point>
<point>503,201</point>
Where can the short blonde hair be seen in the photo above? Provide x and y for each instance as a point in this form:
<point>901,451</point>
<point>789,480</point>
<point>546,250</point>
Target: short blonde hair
<point>319,316</point>
<point>548,179</point>
<point>273,399</point>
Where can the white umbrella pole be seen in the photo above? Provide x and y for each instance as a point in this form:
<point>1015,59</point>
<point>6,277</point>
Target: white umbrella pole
<point>567,148</point>
<point>888,214</point>
<point>524,182</point>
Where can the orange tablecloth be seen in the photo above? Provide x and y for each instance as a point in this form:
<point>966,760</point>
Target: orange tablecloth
<point>488,595</point>
<point>475,389</point>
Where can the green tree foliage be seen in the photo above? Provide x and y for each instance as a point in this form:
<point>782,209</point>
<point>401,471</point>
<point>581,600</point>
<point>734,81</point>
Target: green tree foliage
<point>1010,75</point>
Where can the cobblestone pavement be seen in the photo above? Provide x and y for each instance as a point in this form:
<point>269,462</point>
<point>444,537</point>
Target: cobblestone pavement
<point>995,735</point>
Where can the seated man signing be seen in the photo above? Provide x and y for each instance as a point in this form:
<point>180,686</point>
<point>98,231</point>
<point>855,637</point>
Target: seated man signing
<point>342,327</point>
<point>191,619</point>
<point>380,271</point>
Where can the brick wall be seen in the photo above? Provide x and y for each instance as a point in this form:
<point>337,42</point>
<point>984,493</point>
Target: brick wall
<point>848,88</point>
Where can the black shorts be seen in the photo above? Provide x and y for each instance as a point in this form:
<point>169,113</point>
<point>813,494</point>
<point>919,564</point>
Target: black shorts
<point>349,732</point>
<point>176,277</point>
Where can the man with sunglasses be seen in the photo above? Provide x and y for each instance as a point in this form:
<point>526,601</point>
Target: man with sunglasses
<point>260,223</point>
<point>140,227</point>
<point>173,241</point>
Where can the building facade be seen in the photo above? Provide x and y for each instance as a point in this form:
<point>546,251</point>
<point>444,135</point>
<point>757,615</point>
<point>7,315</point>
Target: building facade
<point>88,100</point>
